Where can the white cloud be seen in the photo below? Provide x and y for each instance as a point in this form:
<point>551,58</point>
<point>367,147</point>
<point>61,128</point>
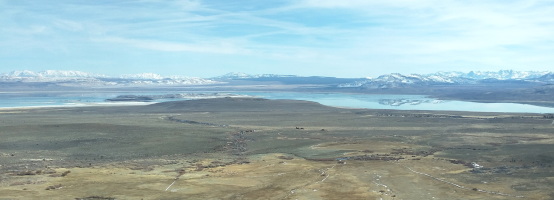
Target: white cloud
<point>218,48</point>
<point>68,25</point>
<point>395,34</point>
<point>189,4</point>
<point>432,27</point>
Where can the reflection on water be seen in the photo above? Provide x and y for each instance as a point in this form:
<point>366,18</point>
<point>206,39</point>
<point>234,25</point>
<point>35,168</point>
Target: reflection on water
<point>399,102</point>
<point>402,102</point>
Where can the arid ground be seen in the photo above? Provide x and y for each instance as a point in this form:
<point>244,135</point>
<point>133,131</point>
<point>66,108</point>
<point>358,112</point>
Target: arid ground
<point>240,148</point>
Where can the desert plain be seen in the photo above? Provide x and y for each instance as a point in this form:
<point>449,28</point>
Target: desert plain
<point>248,148</point>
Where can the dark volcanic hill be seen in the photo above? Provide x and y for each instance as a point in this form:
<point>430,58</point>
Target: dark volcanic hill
<point>238,104</point>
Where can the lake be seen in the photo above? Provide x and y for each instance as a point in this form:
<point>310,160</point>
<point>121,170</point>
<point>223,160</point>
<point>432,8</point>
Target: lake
<point>371,101</point>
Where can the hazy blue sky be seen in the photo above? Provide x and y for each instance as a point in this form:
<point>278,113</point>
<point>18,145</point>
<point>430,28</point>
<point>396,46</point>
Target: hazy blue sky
<point>345,38</point>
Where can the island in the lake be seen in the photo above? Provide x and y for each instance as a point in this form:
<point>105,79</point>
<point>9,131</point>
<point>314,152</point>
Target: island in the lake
<point>249,148</point>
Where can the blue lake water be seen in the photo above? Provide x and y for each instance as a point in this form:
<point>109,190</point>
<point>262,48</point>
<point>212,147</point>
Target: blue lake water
<point>372,101</point>
<point>404,102</point>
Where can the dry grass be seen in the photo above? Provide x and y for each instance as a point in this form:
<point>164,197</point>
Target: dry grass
<point>252,149</point>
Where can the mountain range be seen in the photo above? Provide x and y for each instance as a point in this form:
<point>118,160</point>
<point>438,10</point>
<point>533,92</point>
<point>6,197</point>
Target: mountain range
<point>394,80</point>
<point>85,79</point>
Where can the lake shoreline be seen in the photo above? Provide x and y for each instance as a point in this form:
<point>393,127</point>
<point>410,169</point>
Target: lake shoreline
<point>333,99</point>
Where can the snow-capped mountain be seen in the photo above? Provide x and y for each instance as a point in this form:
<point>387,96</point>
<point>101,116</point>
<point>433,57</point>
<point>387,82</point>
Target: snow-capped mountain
<point>547,77</point>
<point>234,75</point>
<point>239,75</point>
<point>151,76</point>
<point>286,79</point>
<point>504,75</point>
<point>51,74</point>
<point>397,80</point>
<point>48,76</point>
<point>23,73</point>
<point>394,80</point>
<point>164,82</point>
<point>74,74</point>
<point>84,79</point>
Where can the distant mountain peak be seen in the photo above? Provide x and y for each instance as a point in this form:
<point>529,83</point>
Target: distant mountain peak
<point>547,77</point>
<point>240,75</point>
<point>51,73</point>
<point>235,75</point>
<point>151,76</point>
<point>21,73</point>
<point>67,73</point>
<point>84,79</point>
<point>393,80</point>
<point>396,80</point>
<point>504,74</point>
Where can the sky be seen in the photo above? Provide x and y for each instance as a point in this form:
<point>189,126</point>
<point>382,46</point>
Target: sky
<point>207,38</point>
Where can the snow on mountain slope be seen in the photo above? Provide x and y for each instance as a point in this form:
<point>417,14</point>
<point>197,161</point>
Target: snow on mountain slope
<point>396,80</point>
<point>505,74</point>
<point>239,75</point>
<point>151,76</point>
<point>84,79</point>
<point>75,74</point>
<point>52,74</point>
<point>22,73</point>
<point>547,77</point>
<point>234,75</point>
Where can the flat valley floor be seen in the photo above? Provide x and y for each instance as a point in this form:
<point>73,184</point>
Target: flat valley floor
<point>241,148</point>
